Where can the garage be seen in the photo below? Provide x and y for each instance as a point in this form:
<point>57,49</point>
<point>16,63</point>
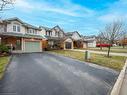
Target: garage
<point>32,46</point>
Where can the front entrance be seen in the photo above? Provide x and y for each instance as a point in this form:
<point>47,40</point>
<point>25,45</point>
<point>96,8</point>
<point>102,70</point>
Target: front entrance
<point>32,46</point>
<point>12,42</point>
<point>68,45</point>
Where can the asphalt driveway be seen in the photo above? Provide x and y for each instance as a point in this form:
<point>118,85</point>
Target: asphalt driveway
<point>49,74</point>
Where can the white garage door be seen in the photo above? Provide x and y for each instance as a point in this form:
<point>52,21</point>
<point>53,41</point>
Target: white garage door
<point>32,46</point>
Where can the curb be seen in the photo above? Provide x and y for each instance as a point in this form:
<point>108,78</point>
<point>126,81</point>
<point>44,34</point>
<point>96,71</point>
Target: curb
<point>119,81</point>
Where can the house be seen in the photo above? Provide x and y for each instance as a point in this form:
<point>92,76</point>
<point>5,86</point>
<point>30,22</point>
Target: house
<point>56,38</point>
<point>89,41</point>
<point>77,39</point>
<point>21,36</point>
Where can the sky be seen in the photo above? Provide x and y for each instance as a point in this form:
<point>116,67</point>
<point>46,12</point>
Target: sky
<point>85,16</point>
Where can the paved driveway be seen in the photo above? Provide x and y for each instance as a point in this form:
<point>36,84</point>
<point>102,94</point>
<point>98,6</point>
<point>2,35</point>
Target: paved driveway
<point>49,74</point>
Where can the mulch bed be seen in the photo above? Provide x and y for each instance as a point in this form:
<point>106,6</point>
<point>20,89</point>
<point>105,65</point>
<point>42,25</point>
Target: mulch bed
<point>4,54</point>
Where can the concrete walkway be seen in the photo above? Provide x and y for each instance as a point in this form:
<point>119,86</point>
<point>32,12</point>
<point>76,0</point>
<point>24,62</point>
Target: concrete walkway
<point>123,90</point>
<point>99,52</point>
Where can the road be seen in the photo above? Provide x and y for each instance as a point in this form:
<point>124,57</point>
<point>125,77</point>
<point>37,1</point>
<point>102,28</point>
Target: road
<point>50,74</point>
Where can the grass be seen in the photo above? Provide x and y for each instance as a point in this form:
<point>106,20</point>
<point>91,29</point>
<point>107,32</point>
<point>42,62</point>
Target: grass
<point>113,49</point>
<point>3,64</point>
<point>114,62</point>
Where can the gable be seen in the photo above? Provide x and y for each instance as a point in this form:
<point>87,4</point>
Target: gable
<point>76,36</point>
<point>68,40</point>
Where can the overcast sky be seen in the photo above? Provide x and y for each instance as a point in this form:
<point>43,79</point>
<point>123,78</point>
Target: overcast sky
<point>84,16</point>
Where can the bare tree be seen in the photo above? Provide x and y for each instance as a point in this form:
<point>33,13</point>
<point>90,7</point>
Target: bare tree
<point>6,4</point>
<point>101,40</point>
<point>113,32</point>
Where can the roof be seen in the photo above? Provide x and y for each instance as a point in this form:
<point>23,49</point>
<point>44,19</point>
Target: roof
<point>69,34</point>
<point>53,38</point>
<point>22,35</point>
<point>24,23</point>
<point>46,28</point>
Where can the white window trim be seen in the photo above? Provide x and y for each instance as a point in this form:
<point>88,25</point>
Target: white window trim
<point>16,27</point>
<point>33,31</point>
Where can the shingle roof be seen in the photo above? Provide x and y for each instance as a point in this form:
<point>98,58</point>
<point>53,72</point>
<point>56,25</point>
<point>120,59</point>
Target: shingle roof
<point>46,28</point>
<point>69,34</point>
<point>24,23</point>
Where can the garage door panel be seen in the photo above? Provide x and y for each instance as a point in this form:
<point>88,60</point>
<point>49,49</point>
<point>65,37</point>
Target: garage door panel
<point>32,46</point>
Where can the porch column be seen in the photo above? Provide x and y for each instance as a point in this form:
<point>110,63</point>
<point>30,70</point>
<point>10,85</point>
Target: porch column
<point>0,40</point>
<point>22,44</point>
<point>72,45</point>
<point>64,46</point>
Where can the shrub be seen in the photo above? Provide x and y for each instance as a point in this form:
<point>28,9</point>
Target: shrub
<point>4,48</point>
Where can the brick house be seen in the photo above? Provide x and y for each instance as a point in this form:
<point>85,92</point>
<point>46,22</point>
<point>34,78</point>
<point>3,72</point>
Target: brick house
<point>20,36</point>
<point>56,38</point>
<point>77,39</point>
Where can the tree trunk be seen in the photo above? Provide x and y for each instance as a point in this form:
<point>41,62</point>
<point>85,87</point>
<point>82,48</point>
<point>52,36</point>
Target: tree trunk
<point>109,48</point>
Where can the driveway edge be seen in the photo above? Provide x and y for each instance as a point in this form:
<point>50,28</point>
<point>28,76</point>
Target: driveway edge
<point>118,84</point>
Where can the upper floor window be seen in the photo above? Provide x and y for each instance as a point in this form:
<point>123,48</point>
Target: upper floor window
<point>56,33</point>
<point>49,33</point>
<point>16,28</point>
<point>32,31</point>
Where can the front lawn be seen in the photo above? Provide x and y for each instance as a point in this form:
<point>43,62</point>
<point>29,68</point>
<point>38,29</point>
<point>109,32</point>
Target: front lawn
<point>113,49</point>
<point>3,64</point>
<point>115,62</point>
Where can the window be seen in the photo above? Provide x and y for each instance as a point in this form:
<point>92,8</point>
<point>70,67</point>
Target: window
<point>56,33</point>
<point>18,28</point>
<point>32,31</point>
<point>14,28</point>
<point>35,32</point>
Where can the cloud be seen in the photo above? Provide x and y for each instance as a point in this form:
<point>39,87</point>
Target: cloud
<point>112,17</point>
<point>116,11</point>
<point>66,8</point>
<point>23,4</point>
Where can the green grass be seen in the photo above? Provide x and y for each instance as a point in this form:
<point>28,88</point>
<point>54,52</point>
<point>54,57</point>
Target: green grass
<point>3,64</point>
<point>113,49</point>
<point>114,62</point>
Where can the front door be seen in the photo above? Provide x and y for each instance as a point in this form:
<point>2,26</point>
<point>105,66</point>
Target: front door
<point>18,44</point>
<point>68,45</point>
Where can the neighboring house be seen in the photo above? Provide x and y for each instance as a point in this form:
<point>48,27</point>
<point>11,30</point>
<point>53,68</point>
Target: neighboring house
<point>89,41</point>
<point>20,36</point>
<point>77,39</point>
<point>56,38</point>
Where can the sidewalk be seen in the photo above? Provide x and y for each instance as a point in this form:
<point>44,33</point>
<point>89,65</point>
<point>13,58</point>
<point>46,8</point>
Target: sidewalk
<point>99,52</point>
<point>123,90</point>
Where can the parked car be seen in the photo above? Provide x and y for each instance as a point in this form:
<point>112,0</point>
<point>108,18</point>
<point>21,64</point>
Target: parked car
<point>103,45</point>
